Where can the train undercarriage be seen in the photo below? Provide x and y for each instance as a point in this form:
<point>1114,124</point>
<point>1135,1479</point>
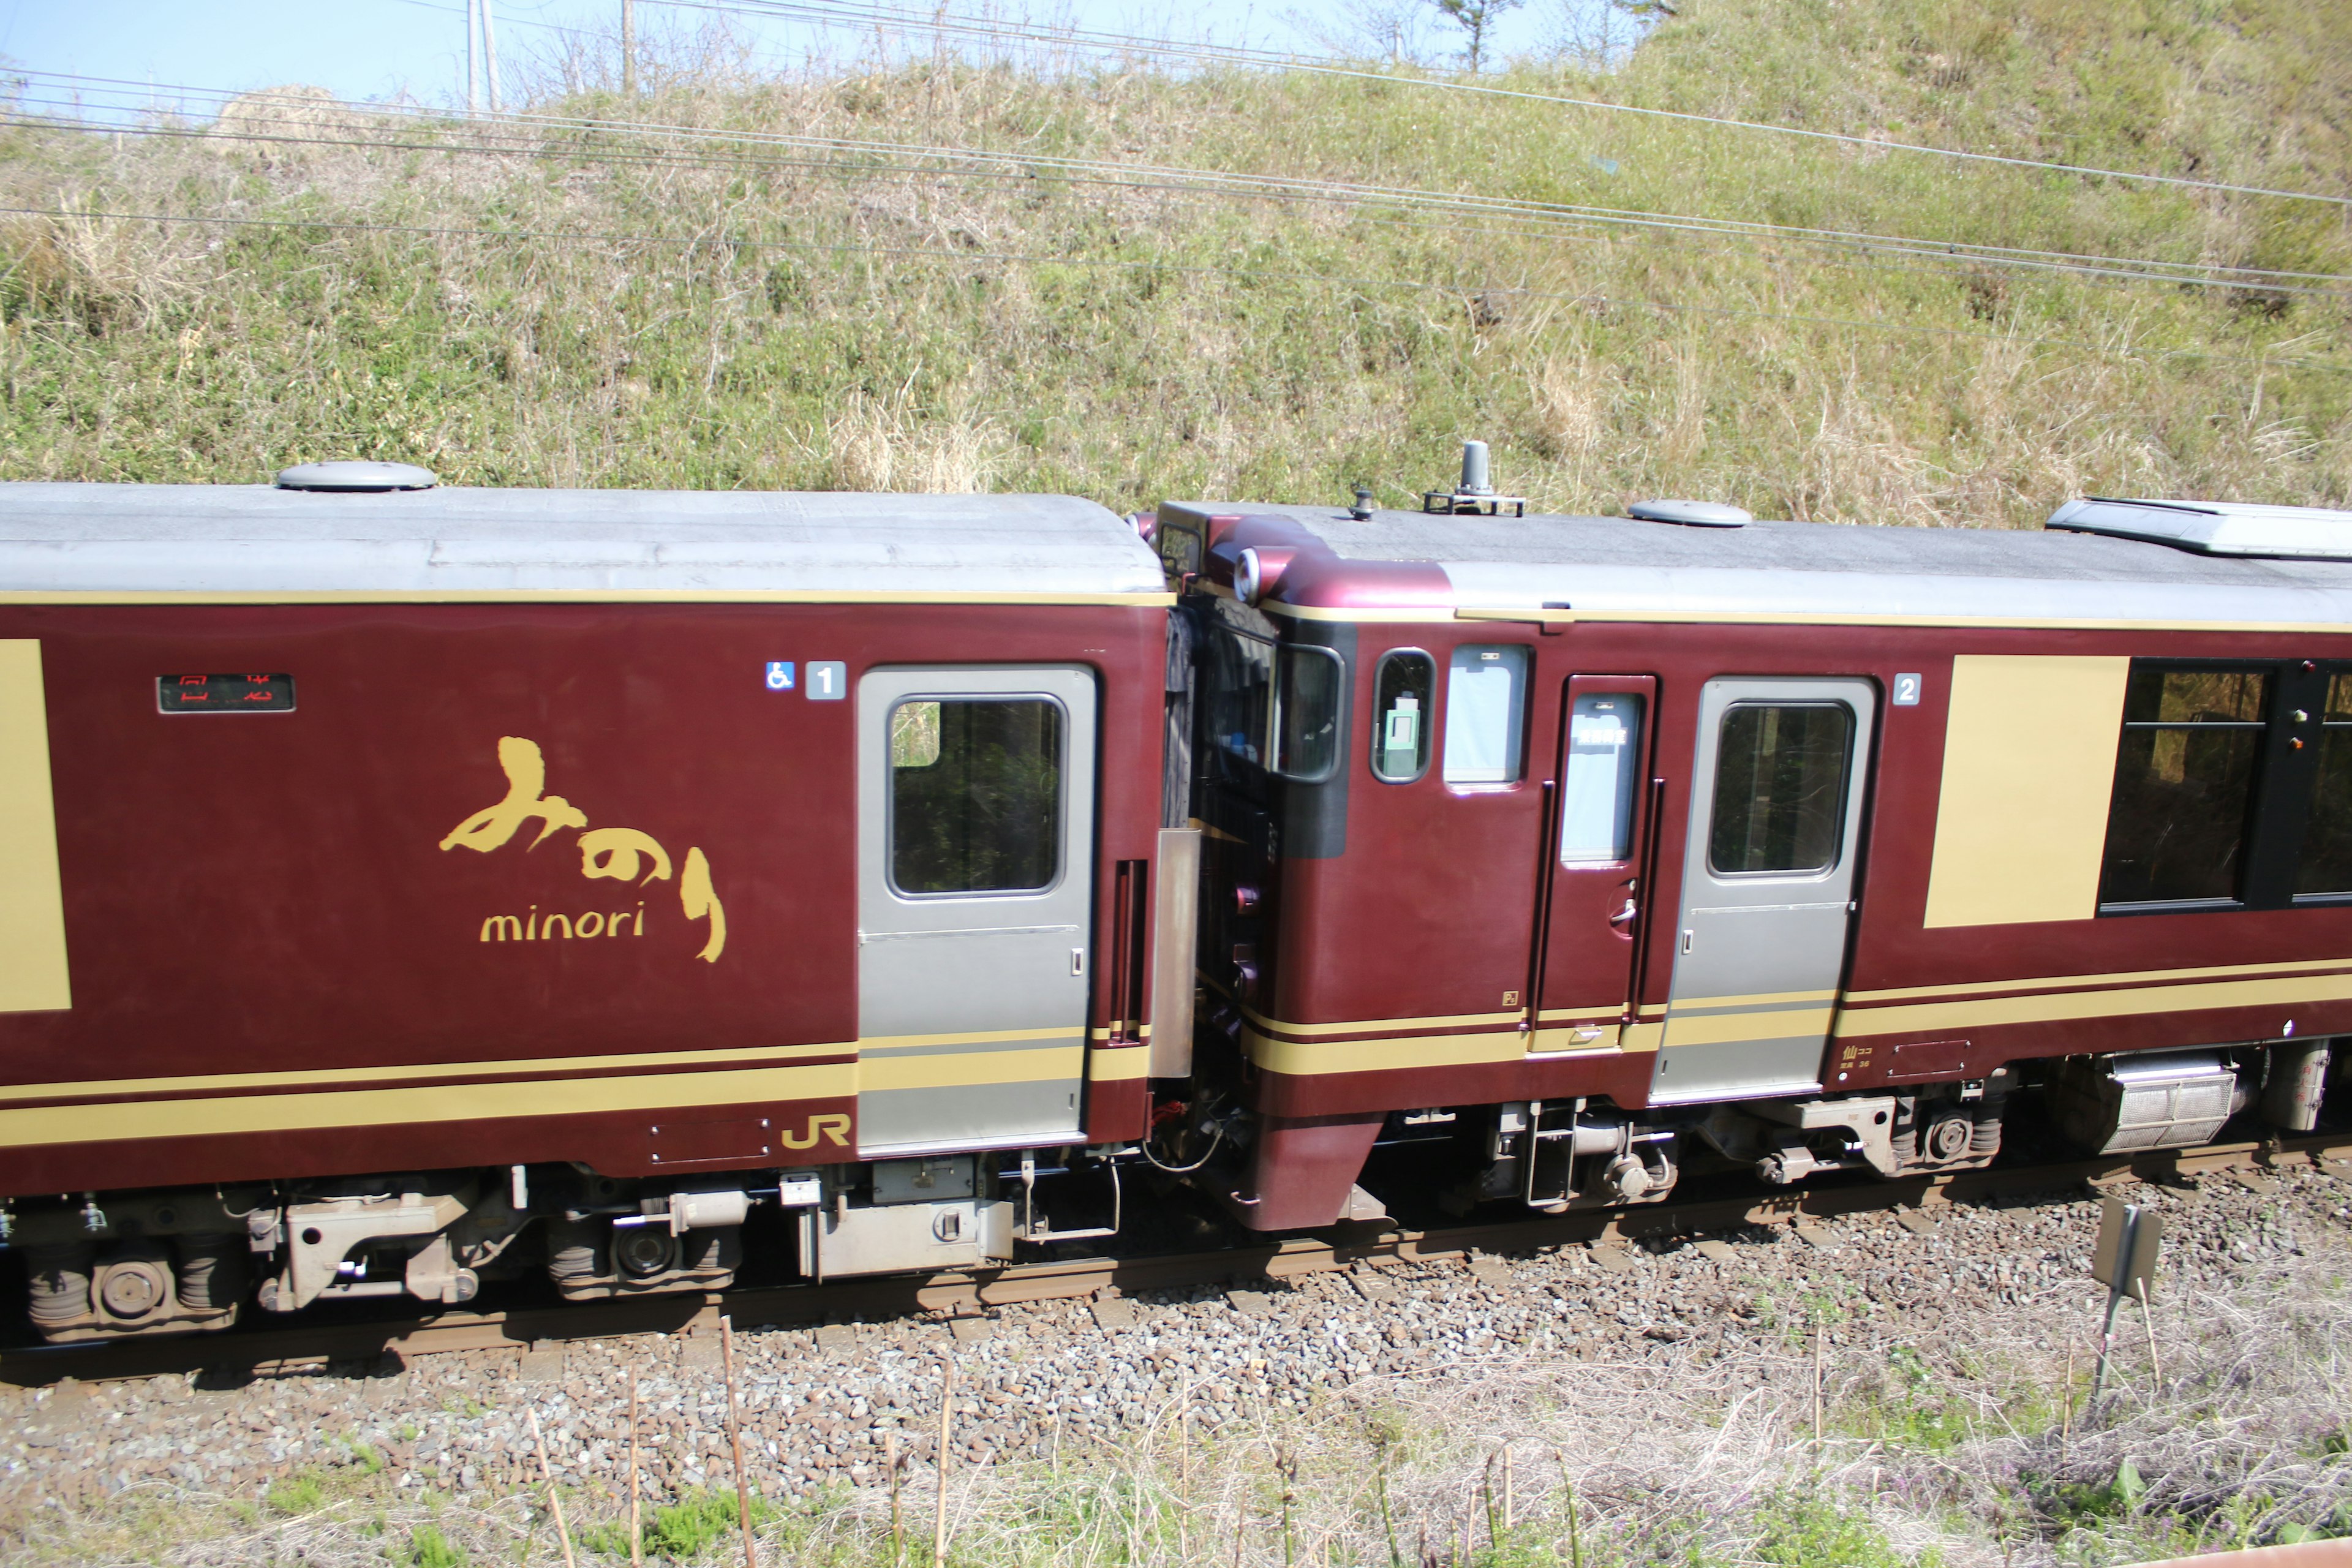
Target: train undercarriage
<point>110,1266</point>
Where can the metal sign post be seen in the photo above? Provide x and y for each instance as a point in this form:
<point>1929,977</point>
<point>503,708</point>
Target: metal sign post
<point>2130,1238</point>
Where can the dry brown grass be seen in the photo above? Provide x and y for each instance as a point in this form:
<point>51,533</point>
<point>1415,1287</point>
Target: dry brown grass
<point>676,316</point>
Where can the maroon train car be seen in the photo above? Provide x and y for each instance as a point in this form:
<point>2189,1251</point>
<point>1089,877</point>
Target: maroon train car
<point>1598,846</point>
<point>391,875</point>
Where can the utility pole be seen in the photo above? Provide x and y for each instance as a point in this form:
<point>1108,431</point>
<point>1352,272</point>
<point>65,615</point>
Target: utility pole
<point>490,53</point>
<point>629,47</point>
<point>473,76</point>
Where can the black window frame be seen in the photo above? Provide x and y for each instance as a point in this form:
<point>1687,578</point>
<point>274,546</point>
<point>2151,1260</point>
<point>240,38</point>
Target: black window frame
<point>1279,653</point>
<point>2279,798</point>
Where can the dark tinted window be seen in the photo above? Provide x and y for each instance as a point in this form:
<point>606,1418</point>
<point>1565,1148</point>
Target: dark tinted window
<point>1779,786</point>
<point>975,794</point>
<point>2325,863</point>
<point>1306,713</point>
<point>1240,697</point>
<point>2184,784</point>
<point>1402,705</point>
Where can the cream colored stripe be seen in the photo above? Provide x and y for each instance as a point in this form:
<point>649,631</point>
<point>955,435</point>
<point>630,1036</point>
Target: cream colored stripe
<point>32,972</point>
<point>569,596</point>
<point>1123,1066</point>
<point>973,1068</point>
<point>1641,1037</point>
<point>2075,981</point>
<point>1993,1011</point>
<point>256,1113</point>
<point>1724,1028</point>
<point>1801,618</point>
<point>116,1087</point>
<point>1383,1025</point>
<point>1761,999</point>
<point>1315,1056</point>
<point>980,1037</point>
<point>1581,1016</point>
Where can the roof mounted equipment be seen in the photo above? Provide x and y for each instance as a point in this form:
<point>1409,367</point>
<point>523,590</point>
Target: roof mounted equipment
<point>356,476</point>
<point>1692,513</point>
<point>1475,496</point>
<point>2214,528</point>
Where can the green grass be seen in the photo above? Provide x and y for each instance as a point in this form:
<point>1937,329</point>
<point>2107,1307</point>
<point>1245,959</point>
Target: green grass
<point>429,1548</point>
<point>861,331</point>
<point>682,1531</point>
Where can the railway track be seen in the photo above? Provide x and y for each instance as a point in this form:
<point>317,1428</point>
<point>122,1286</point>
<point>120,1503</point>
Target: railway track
<point>271,1349</point>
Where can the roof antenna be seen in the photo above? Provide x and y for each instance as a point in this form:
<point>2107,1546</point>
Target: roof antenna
<point>1476,495</point>
<point>1474,469</point>
<point>1362,510</point>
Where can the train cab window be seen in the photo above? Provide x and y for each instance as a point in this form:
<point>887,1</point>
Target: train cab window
<point>2177,823</point>
<point>1486,714</point>
<point>1307,713</point>
<point>1273,706</point>
<point>1596,794</point>
<point>975,794</point>
<point>2325,865</point>
<point>1404,702</point>
<point>1780,787</point>
<point>1179,549</point>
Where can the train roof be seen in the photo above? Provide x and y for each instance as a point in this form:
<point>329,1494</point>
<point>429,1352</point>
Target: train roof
<point>1624,567</point>
<point>257,543</point>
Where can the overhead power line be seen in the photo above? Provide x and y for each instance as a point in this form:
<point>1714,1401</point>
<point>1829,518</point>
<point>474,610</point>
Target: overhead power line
<point>943,23</point>
<point>1460,290</point>
<point>1518,213</point>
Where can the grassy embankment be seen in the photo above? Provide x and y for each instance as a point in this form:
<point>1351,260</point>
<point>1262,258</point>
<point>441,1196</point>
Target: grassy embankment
<point>841,326</point>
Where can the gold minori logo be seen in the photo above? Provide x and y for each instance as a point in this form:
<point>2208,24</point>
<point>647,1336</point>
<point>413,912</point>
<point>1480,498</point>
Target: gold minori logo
<point>614,854</point>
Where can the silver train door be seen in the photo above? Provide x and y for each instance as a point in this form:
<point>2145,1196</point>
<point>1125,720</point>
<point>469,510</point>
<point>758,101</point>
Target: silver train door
<point>1768,883</point>
<point>975,827</point>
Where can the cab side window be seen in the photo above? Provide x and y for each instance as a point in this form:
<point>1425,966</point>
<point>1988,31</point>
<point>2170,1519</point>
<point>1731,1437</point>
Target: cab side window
<point>1404,695</point>
<point>1486,714</point>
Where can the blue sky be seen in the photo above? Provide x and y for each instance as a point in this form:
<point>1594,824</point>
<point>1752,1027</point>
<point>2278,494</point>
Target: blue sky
<point>374,48</point>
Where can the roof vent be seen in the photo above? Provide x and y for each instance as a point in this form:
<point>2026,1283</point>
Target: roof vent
<point>356,476</point>
<point>1695,513</point>
<point>2215,528</point>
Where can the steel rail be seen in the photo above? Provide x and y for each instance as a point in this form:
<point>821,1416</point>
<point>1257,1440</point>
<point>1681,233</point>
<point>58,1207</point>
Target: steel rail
<point>273,1350</point>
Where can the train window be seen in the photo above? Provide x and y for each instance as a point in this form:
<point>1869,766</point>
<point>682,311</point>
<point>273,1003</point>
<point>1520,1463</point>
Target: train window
<point>1485,706</point>
<point>2176,824</point>
<point>1275,707</point>
<point>1179,551</point>
<point>1240,695</point>
<point>975,794</point>
<point>1596,794</point>
<point>1403,701</point>
<point>1780,787</point>
<point>1307,713</point>
<point>2326,863</point>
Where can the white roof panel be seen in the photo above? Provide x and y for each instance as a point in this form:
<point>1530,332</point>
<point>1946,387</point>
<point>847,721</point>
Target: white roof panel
<point>240,541</point>
<point>2215,528</point>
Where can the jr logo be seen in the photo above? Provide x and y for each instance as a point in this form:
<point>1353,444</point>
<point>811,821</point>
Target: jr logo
<point>619,854</point>
<point>832,1127</point>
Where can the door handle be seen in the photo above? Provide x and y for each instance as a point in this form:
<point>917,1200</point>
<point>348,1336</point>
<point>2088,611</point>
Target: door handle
<point>1623,915</point>
<point>1686,939</point>
<point>1077,960</point>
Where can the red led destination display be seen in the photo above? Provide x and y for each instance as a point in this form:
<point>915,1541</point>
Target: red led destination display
<point>225,693</point>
